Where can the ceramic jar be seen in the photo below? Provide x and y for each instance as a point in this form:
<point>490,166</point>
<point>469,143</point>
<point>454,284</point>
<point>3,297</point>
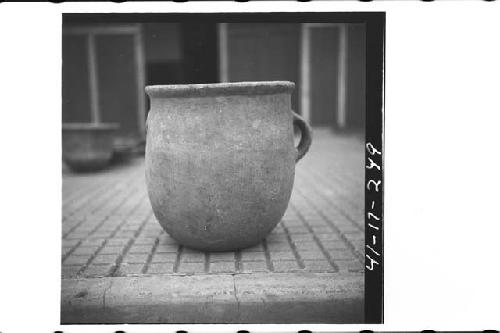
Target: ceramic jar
<point>220,160</point>
<point>87,146</point>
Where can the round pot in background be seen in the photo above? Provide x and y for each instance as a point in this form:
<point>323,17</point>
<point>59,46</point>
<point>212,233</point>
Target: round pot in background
<point>220,160</point>
<point>87,146</point>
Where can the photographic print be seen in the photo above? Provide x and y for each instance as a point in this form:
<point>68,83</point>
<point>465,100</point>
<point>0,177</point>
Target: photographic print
<point>222,168</point>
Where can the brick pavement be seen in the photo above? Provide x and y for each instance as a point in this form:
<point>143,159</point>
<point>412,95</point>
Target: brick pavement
<point>109,230</point>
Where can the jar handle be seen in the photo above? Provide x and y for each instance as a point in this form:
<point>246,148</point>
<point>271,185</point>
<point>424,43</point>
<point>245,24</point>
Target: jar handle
<point>305,136</point>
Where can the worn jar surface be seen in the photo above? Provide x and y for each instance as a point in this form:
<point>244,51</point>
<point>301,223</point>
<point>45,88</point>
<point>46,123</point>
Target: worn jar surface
<point>220,160</point>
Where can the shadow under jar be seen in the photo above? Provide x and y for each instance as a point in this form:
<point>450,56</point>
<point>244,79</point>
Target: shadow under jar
<point>220,160</point>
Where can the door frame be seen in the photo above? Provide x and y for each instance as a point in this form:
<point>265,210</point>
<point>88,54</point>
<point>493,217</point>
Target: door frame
<point>223,52</point>
<point>130,29</point>
<point>305,70</point>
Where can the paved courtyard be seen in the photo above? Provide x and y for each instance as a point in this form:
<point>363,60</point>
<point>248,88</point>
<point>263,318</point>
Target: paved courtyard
<point>119,266</point>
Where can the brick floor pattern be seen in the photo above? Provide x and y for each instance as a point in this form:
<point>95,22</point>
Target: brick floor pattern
<point>108,227</point>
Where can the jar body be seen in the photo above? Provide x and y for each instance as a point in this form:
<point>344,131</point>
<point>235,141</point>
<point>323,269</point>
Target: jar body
<point>220,169</point>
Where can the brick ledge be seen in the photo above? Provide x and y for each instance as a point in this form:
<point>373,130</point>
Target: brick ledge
<point>224,298</point>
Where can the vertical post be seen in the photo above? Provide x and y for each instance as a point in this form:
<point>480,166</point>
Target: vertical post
<point>223,53</point>
<point>141,80</point>
<point>95,116</point>
<point>342,77</point>
<point>305,71</point>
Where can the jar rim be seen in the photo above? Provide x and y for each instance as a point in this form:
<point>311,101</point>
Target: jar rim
<point>220,89</point>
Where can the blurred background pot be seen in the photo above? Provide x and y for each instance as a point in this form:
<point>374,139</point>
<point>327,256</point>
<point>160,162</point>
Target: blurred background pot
<point>220,160</point>
<point>88,146</point>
